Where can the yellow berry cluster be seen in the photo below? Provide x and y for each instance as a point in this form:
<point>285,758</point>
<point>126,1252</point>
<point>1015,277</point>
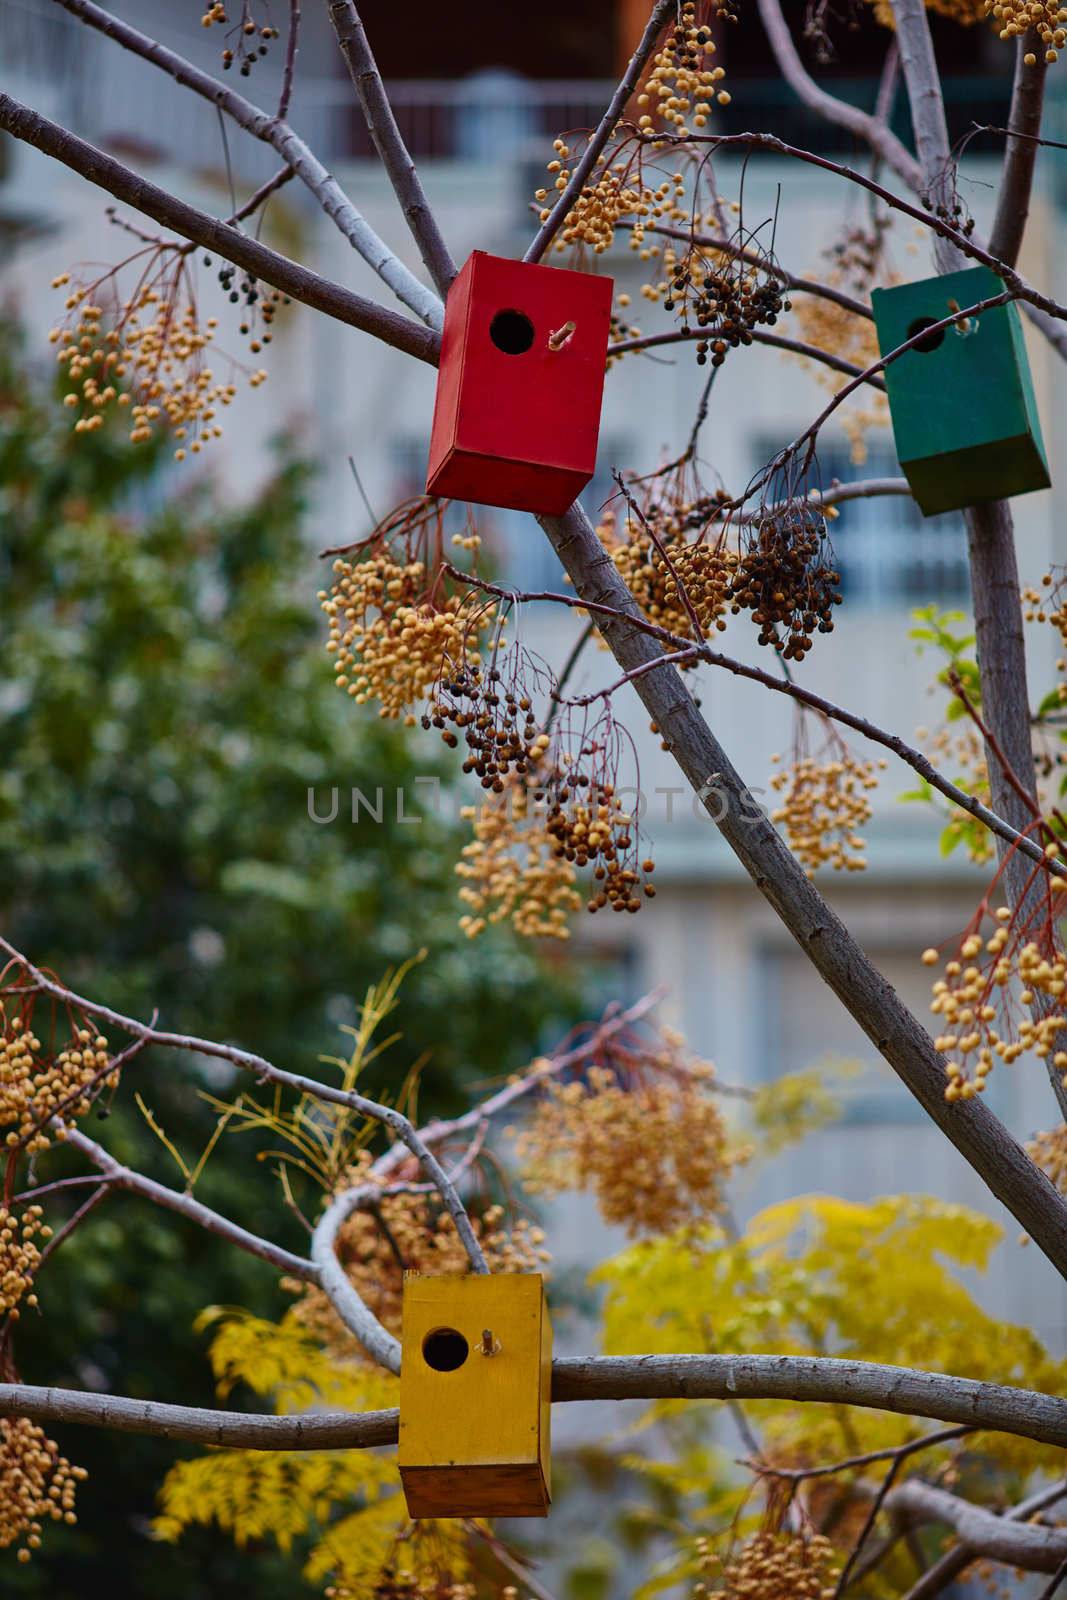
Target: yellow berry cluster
<point>1047,18</point>
<point>823,805</point>
<point>511,870</point>
<point>973,1001</point>
<point>769,1566</point>
<point>19,1257</point>
<point>1049,1152</point>
<point>37,1484</point>
<point>652,1146</point>
<point>33,1085</point>
<point>705,569</point>
<point>682,85</point>
<point>392,632</point>
<point>825,325</point>
<point>150,362</point>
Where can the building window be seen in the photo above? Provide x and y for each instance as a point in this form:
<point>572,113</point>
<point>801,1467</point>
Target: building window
<point>890,555</point>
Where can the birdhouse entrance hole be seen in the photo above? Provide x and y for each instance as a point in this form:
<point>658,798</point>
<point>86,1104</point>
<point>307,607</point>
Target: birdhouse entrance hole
<point>445,1350</point>
<point>512,332</point>
<point>932,340</point>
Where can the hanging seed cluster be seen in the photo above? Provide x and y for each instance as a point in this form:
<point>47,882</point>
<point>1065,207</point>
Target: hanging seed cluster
<point>34,1084</point>
<point>1015,17</point>
<point>620,1141</point>
<point>511,870</point>
<point>824,804</point>
<point>706,569</point>
<point>787,580</point>
<point>588,827</point>
<point>974,1001</point>
<point>250,38</point>
<point>769,1566</point>
<point>390,640</point>
<point>683,86</point>
<point>19,1257</point>
<point>724,296</point>
<point>37,1485</point>
<point>259,302</point>
<point>496,723</point>
<point>150,362</point>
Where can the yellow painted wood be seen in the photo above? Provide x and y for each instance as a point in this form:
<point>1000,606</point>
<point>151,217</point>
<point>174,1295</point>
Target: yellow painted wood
<point>474,1441</point>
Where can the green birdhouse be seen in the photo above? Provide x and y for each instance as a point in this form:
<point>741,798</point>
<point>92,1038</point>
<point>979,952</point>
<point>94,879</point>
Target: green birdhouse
<point>964,416</point>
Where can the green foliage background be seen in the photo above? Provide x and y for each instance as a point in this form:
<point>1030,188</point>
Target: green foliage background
<point>165,704</point>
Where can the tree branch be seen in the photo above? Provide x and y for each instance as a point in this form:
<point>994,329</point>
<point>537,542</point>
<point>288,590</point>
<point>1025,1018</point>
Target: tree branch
<point>821,1380</point>
<point>399,1125</point>
<point>346,1301</point>
<point>389,143</point>
<point>184,1205</point>
<point>1020,155</point>
<point>757,336</point>
<point>923,81</point>
<point>229,242</point>
<point>606,127</point>
<point>974,1130</point>
<point>873,130</point>
<point>982,1532</point>
<point>274,131</point>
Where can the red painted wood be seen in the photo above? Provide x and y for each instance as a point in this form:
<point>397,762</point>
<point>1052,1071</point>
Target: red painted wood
<point>519,429</point>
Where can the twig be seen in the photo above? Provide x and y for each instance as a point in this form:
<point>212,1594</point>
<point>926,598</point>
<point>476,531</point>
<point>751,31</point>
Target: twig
<point>389,143</point>
<point>606,127</point>
<point>890,1453</point>
<point>777,341</point>
<point>682,649</point>
<point>274,131</point>
<point>292,279</point>
<point>949,1567</point>
<point>683,593</point>
<point>84,1210</point>
<point>292,45</point>
<point>871,129</point>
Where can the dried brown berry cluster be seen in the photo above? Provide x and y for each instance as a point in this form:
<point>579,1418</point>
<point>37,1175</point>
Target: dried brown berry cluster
<point>725,296</point>
<point>497,724</point>
<point>511,870</point>
<point>590,828</point>
<point>787,580</point>
<point>651,1146</point>
<point>19,1257</point>
<point>37,1485</point>
<point>769,1566</point>
<point>149,361</point>
<point>34,1085</point>
<point>823,804</point>
<point>975,996</point>
<point>395,629</point>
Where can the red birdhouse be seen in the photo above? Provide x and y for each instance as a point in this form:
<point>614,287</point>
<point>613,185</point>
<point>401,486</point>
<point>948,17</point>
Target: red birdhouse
<point>520,385</point>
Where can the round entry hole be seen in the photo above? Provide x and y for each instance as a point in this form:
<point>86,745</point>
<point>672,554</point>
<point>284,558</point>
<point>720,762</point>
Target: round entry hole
<point>932,340</point>
<point>445,1349</point>
<point>512,332</point>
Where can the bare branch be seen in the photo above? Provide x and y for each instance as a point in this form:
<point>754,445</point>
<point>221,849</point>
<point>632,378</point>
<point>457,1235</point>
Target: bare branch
<point>389,143</point>
<point>974,1130</point>
<point>923,81</point>
<point>399,1125</point>
<point>955,1561</point>
<point>346,1301</point>
<point>294,280</point>
<point>292,45</point>
<point>1018,1544</point>
<point>758,336</point>
<point>817,1379</point>
<point>274,131</point>
<point>608,123</point>
<point>233,1430</point>
<point>184,1205</point>
<point>1020,154</point>
<point>871,129</point>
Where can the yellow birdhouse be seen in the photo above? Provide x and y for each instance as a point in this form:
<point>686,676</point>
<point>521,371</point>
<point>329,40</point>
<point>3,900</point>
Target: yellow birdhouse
<point>475,1395</point>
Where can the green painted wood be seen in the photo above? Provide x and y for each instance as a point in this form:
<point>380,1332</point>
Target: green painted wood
<point>964,414</point>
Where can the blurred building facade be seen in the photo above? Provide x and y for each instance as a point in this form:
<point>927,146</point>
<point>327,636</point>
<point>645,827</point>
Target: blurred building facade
<point>736,984</point>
